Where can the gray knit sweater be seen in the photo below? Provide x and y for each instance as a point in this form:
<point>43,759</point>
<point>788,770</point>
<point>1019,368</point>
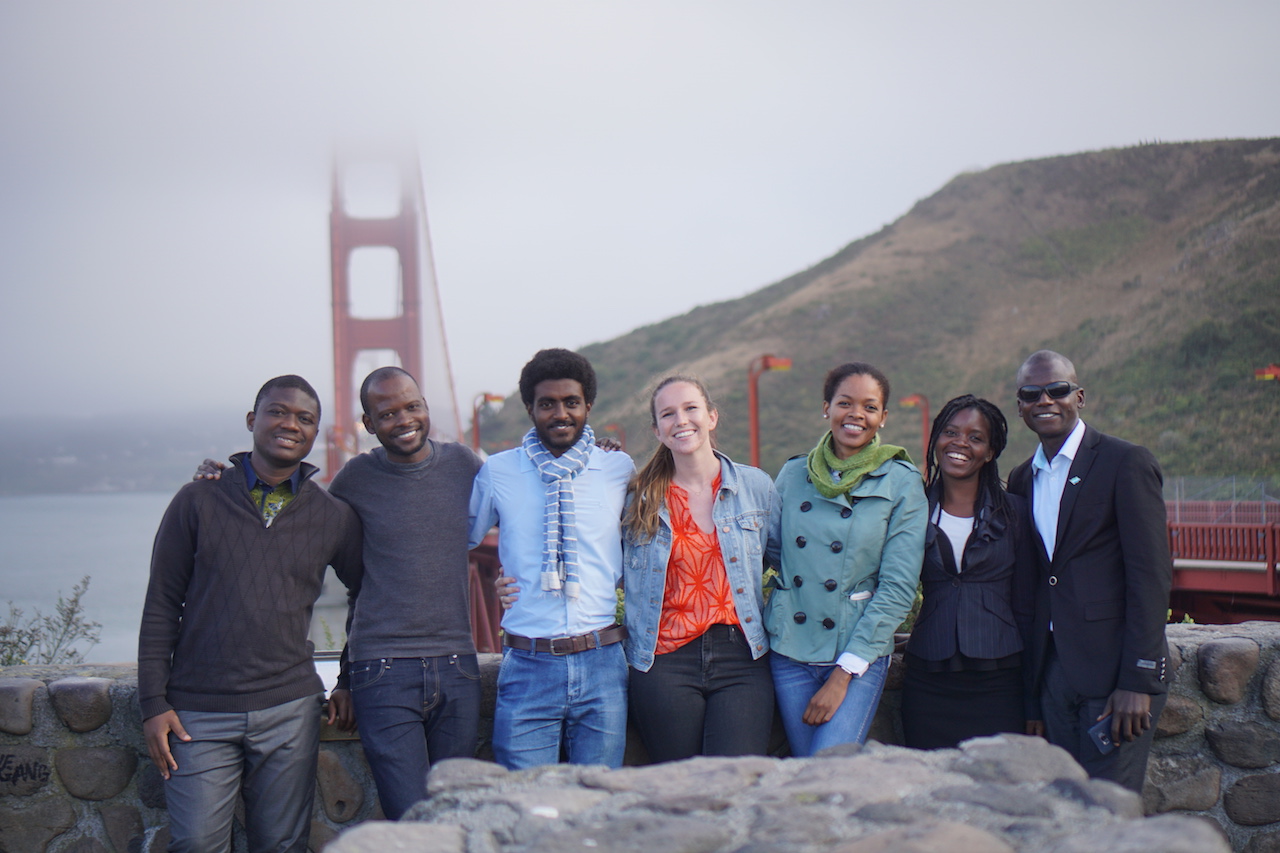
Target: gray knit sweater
<point>228,607</point>
<point>414,599</point>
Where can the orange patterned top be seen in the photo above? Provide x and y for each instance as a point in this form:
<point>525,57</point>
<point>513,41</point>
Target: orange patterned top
<point>697,593</point>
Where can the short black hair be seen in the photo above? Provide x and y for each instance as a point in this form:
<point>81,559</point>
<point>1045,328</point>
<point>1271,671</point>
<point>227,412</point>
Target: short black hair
<point>289,380</point>
<point>854,368</point>
<point>377,376</point>
<point>551,364</point>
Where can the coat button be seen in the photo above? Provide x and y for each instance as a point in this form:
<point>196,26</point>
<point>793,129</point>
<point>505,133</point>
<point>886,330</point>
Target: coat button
<point>830,584</point>
<point>725,528</point>
<point>806,506</point>
<point>748,619</point>
<point>740,590</point>
<point>797,580</point>
<point>800,617</point>
<point>837,547</point>
<point>846,512</point>
<point>1053,580</point>
<point>733,559</point>
<point>801,541</point>
<point>828,623</point>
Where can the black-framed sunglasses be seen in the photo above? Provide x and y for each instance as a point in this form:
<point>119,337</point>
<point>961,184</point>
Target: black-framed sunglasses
<point>1056,390</point>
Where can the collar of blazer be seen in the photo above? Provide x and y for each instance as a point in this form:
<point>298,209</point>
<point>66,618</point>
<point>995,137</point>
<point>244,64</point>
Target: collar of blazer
<point>1076,478</point>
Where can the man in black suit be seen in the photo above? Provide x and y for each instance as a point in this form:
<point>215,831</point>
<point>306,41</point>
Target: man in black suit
<point>1104,570</point>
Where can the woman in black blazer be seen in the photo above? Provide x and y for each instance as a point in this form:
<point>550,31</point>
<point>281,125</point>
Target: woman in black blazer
<point>964,659</point>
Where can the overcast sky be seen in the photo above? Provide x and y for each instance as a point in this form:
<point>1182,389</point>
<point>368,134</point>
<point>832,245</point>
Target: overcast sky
<point>588,167</point>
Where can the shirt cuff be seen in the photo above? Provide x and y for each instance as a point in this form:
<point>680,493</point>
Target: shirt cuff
<point>852,664</point>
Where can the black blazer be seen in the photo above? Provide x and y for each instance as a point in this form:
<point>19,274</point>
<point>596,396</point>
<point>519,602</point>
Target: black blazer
<point>985,610</point>
<point>1106,590</point>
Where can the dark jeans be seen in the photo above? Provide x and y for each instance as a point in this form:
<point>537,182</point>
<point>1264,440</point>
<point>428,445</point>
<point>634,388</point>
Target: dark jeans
<point>1067,718</point>
<point>707,697</point>
<point>412,711</point>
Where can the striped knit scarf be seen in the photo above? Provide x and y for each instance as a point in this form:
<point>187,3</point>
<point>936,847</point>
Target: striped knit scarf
<point>560,544</point>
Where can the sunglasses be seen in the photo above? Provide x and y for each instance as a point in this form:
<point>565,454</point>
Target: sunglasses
<point>1056,390</point>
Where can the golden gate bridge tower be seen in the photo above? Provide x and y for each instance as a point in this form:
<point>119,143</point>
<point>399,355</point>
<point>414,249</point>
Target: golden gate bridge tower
<point>407,327</point>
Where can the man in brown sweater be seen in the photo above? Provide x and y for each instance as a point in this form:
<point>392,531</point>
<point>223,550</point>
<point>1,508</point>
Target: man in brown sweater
<point>229,694</point>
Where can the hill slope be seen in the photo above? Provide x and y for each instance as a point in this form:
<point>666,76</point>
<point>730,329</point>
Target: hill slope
<point>1156,268</point>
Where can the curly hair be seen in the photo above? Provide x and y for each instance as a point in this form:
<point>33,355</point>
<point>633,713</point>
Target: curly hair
<point>552,364</point>
<point>998,433</point>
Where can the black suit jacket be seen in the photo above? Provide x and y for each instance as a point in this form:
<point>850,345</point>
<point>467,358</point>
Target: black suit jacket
<point>1106,590</point>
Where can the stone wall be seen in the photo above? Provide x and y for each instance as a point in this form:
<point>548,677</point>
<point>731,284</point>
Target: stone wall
<point>74,774</point>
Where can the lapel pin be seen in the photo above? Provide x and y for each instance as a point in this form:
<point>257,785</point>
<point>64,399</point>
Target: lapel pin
<point>1075,481</point>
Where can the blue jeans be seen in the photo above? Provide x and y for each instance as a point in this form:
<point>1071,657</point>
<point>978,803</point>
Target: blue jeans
<point>270,753</point>
<point>546,700</point>
<point>411,712</point>
<point>794,684</point>
<point>707,697</point>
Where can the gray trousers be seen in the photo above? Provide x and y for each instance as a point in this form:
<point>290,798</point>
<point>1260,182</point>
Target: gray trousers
<point>269,754</point>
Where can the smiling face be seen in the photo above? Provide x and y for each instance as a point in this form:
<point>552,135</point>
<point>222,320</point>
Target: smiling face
<point>1050,419</point>
<point>964,445</point>
<point>284,428</point>
<point>398,416</point>
<point>857,412</point>
<point>559,412</point>
<point>683,421</point>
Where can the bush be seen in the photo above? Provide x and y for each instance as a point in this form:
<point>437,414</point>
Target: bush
<point>49,639</point>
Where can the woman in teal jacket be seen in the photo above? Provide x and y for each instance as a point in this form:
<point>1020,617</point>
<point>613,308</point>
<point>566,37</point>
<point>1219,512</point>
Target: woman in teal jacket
<point>854,516</point>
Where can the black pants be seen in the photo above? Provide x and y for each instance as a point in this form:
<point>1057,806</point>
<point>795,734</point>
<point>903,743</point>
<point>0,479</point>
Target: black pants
<point>1068,716</point>
<point>707,697</point>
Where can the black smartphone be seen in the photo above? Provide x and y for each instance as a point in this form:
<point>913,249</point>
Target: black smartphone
<point>1100,732</point>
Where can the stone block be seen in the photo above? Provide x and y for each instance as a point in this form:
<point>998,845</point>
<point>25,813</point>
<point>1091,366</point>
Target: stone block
<point>31,829</point>
<point>1225,667</point>
<point>151,787</point>
<point>160,840</point>
<point>1174,663</point>
<point>23,770</point>
<point>1244,744</point>
<point>1254,800</point>
<point>1271,690</point>
<point>124,827</point>
<point>948,836</point>
<point>1264,842</point>
<point>17,704</point>
<point>381,837</point>
<point>340,794</point>
<point>83,704</point>
<point>1181,782</point>
<point>1165,833</point>
<point>95,772</point>
<point>1181,714</point>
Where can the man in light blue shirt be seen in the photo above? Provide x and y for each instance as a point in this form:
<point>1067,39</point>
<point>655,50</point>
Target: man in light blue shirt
<point>557,501</point>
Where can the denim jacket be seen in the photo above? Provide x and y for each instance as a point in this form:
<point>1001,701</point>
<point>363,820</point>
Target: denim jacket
<point>747,516</point>
<point>849,572</point>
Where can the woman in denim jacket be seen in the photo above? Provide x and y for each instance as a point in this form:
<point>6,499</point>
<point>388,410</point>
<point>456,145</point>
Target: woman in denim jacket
<point>698,533</point>
<point>853,524</point>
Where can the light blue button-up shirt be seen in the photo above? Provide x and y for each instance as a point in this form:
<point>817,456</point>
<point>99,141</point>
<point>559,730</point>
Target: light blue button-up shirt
<point>509,493</point>
<point>1050,478</point>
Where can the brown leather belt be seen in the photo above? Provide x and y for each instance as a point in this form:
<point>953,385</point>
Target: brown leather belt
<point>568,645</point>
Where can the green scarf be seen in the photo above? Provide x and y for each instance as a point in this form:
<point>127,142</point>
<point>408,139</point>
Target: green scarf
<point>823,460</point>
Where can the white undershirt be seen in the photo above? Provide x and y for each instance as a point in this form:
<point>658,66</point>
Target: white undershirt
<point>957,530</point>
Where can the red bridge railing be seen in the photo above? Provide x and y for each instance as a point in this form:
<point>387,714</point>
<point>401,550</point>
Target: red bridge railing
<point>1225,557</point>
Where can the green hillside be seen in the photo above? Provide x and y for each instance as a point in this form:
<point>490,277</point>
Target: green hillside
<point>1156,268</point>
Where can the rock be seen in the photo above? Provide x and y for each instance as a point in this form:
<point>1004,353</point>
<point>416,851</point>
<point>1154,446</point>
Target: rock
<point>32,828</point>
<point>1271,690</point>
<point>86,845</point>
<point>1173,664</point>
<point>1244,744</point>
<point>160,841</point>
<point>1226,665</point>
<point>23,770</point>
<point>17,704</point>
<point>1264,842</point>
<point>1165,833</point>
<point>1254,800</point>
<point>1003,799</point>
<point>83,704</point>
<point>1180,714</point>
<point>123,825</point>
<point>724,776</point>
<point>151,787</point>
<point>383,837</point>
<point>948,836</point>
<point>322,836</point>
<point>95,772</point>
<point>340,794</point>
<point>1101,793</point>
<point>457,774</point>
<point>633,834</point>
<point>1016,758</point>
<point>852,783</point>
<point>1181,782</point>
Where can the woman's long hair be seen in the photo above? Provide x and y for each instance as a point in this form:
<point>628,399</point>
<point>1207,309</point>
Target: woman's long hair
<point>989,486</point>
<point>649,486</point>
